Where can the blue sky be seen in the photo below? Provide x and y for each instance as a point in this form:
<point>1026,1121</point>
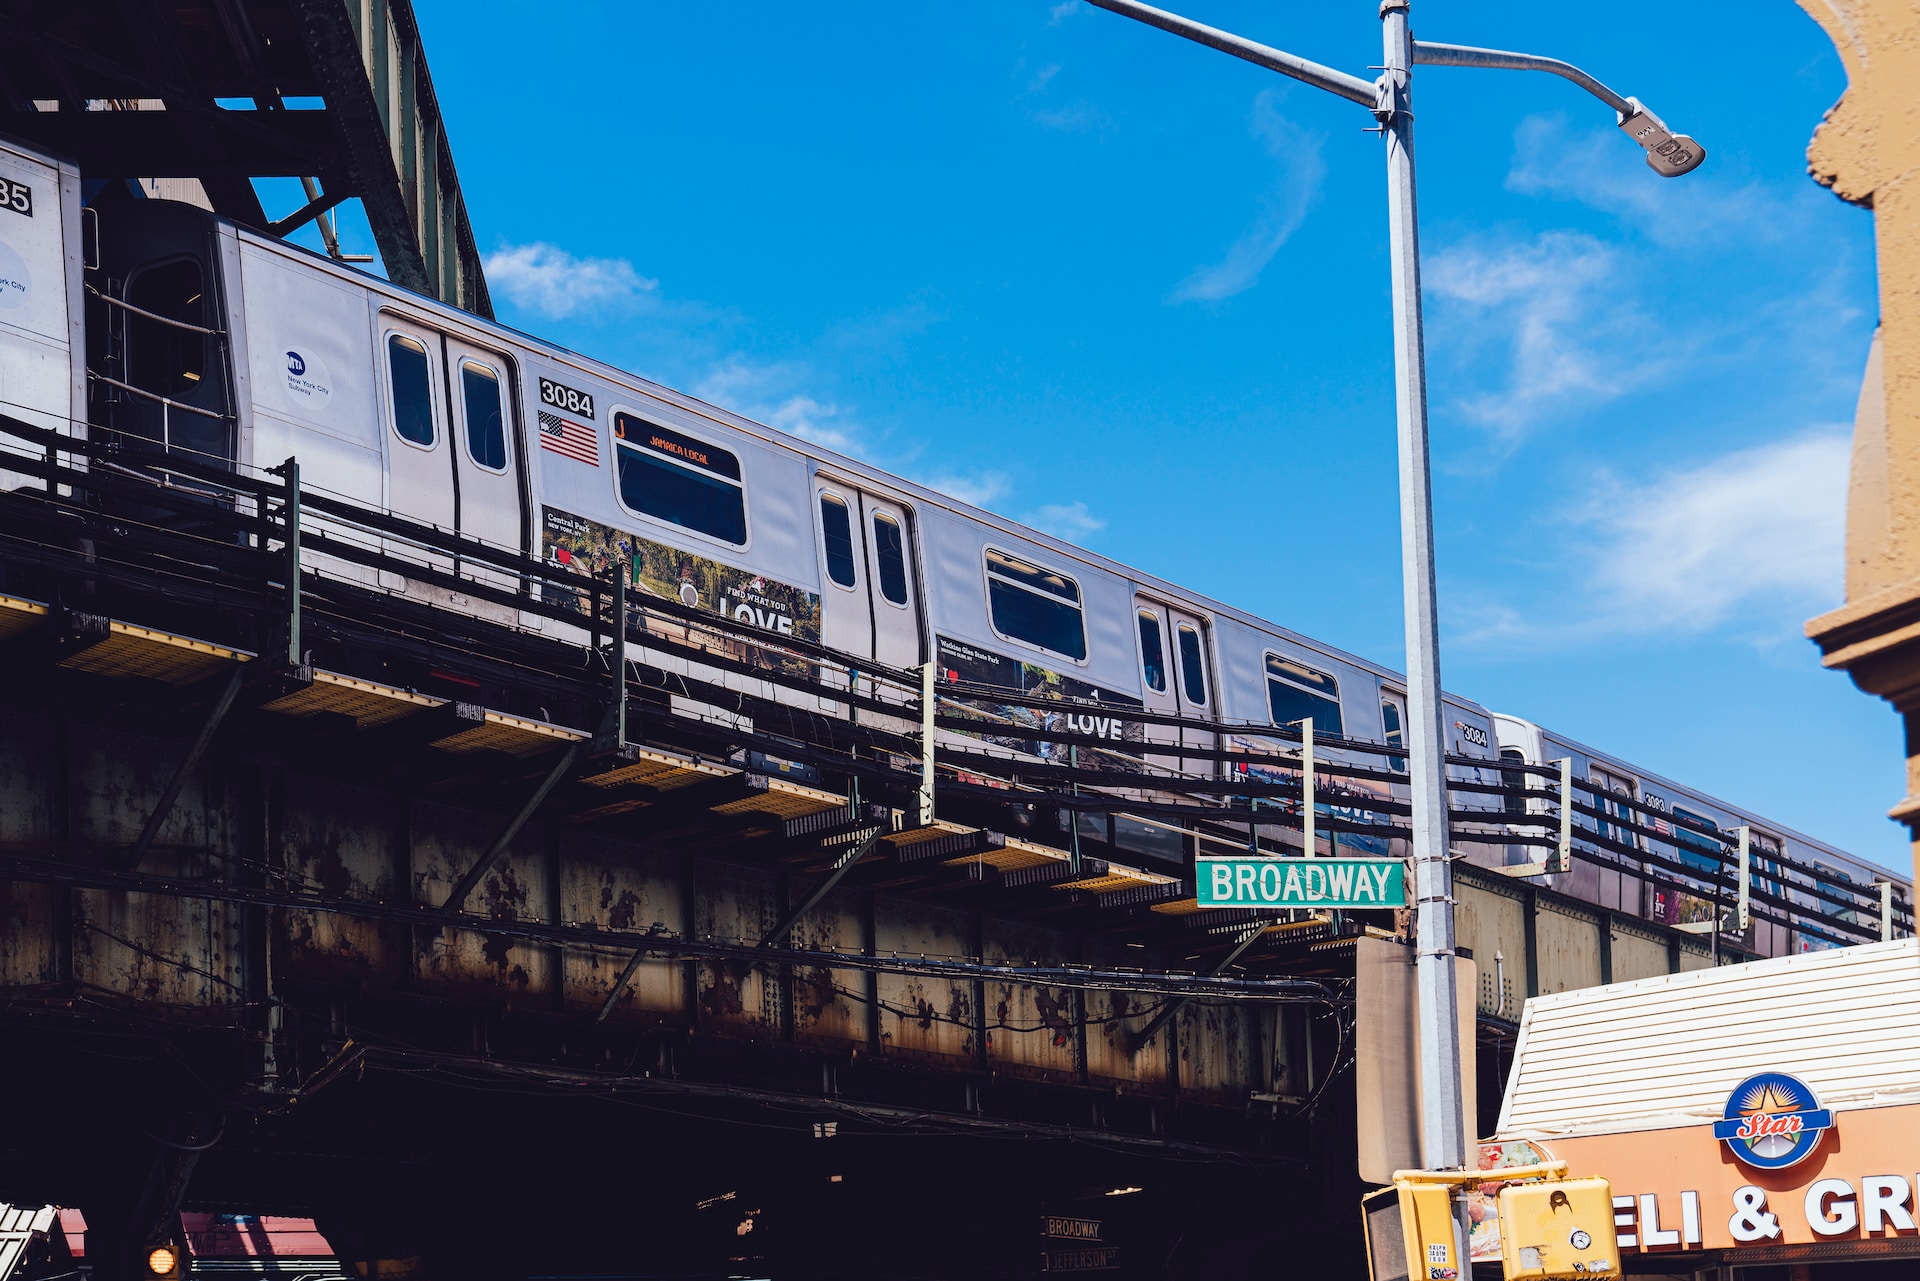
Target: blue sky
<point>1135,292</point>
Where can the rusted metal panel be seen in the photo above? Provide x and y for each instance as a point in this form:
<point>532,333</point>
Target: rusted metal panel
<point>1113,1019</point>
<point>117,781</point>
<point>1637,955</point>
<point>1031,1030</point>
<point>829,1005</point>
<point>611,884</point>
<point>1567,949</point>
<point>342,840</point>
<point>470,962</point>
<point>736,903</point>
<point>170,951</point>
<point>927,1020</point>
<point>28,912</point>
<point>1218,1047</point>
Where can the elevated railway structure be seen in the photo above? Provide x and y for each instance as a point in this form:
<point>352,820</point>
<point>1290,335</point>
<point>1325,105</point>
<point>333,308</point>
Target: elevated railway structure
<point>347,903</point>
<point>210,94</point>
<point>516,914</point>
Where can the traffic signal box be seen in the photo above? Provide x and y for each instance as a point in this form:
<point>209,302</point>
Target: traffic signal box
<point>1550,1229</point>
<point>1559,1228</point>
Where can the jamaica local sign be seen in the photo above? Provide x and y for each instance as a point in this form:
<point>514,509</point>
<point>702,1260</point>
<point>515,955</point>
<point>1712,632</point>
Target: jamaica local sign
<point>1322,883</point>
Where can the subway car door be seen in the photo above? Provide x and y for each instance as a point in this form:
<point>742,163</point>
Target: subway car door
<point>487,453</point>
<point>420,470</point>
<point>890,582</point>
<point>1177,679</point>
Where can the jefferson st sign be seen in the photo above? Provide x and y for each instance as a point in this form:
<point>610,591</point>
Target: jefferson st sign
<point>1321,883</point>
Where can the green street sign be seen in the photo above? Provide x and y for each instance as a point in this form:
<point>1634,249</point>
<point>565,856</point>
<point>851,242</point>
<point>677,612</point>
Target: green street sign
<point>1301,882</point>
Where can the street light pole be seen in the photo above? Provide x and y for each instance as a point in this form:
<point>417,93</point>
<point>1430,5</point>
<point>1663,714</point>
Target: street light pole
<point>1443,1138</point>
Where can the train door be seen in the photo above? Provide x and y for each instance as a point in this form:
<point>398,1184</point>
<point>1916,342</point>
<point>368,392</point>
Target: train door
<point>870,608</point>
<point>420,469</point>
<point>486,451</point>
<point>1176,679</point>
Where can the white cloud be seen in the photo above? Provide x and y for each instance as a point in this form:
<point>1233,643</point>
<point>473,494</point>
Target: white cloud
<point>978,488</point>
<point>550,282</point>
<point>1062,11</point>
<point>1761,528</point>
<point>1748,541</point>
<point>1557,306</point>
<point>1602,169</point>
<point>768,393</point>
<point>1070,522</point>
<point>1282,209</point>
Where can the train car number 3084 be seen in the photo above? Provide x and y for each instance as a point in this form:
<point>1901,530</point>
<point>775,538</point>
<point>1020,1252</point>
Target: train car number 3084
<point>16,197</point>
<point>574,402</point>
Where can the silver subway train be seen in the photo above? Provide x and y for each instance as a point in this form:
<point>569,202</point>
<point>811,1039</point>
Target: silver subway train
<point>158,320</point>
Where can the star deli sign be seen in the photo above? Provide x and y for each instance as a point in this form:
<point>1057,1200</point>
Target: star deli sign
<point>1771,1123</point>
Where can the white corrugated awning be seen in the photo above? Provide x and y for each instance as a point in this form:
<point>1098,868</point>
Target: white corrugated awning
<point>1664,1052</point>
<point>19,1225</point>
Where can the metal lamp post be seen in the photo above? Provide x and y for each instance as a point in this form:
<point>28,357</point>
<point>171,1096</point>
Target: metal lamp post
<point>1443,1128</point>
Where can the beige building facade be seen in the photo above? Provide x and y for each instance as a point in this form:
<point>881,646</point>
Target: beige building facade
<point>1868,152</point>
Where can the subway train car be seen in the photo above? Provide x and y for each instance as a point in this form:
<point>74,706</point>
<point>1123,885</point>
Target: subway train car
<point>205,337</point>
<point>1785,863</point>
<point>167,325</point>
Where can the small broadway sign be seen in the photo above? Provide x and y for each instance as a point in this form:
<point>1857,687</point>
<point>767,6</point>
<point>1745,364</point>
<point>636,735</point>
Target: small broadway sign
<point>1073,1245</point>
<point>1322,883</point>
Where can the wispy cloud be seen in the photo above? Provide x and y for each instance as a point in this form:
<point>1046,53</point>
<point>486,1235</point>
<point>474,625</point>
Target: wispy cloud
<point>768,393</point>
<point>1764,527</point>
<point>1602,170</point>
<point>1282,209</point>
<point>1071,522</point>
<point>1751,537</point>
<point>1062,11</point>
<point>550,282</point>
<point>979,488</point>
<point>1556,304</point>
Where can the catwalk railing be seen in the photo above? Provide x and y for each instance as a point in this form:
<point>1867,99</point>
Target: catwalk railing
<point>168,539</point>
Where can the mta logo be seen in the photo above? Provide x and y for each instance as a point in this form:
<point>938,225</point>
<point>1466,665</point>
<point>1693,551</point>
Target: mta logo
<point>296,365</point>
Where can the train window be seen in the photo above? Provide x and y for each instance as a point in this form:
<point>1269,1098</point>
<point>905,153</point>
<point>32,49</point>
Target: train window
<point>160,358</point>
<point>1696,849</point>
<point>836,528</point>
<point>1153,659</point>
<point>1193,668</point>
<point>1394,733</point>
<point>486,423</point>
<point>1512,778</point>
<point>890,554</point>
<point>1621,808</point>
<point>680,479</point>
<point>1035,605</point>
<point>1296,691</point>
<point>412,381</point>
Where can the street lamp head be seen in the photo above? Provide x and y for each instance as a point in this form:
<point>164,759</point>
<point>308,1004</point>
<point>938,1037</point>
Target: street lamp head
<point>1668,154</point>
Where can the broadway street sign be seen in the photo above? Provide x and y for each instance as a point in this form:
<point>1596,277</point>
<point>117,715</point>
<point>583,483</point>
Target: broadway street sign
<point>1302,882</point>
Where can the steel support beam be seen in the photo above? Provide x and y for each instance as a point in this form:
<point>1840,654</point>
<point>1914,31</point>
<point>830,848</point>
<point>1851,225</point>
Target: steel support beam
<point>189,763</point>
<point>457,898</point>
<point>841,866</point>
<point>1247,938</point>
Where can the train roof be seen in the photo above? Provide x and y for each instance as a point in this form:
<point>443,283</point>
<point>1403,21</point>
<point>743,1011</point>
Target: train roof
<point>820,453</point>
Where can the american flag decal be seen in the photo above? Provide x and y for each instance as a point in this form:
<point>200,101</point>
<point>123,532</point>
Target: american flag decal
<point>575,441</point>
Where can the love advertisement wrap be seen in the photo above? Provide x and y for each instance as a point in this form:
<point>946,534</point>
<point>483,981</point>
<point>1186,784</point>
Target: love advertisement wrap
<point>667,573</point>
<point>1002,723</point>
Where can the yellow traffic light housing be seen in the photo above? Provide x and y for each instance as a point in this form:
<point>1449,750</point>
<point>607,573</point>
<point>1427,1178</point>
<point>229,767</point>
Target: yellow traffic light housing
<point>1558,1230</point>
<point>1410,1233</point>
<point>1551,1228</point>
